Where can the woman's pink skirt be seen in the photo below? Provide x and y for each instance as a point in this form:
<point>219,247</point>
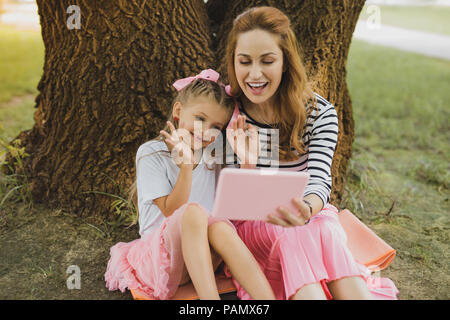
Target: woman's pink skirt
<point>297,256</point>
<point>153,263</point>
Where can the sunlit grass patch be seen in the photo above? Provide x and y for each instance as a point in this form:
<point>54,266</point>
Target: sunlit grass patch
<point>21,62</point>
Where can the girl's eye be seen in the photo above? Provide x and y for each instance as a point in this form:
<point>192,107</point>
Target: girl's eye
<point>200,118</point>
<point>267,62</point>
<point>244,62</point>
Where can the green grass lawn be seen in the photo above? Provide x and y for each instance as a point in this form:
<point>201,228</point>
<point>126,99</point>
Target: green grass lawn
<point>398,180</point>
<point>424,18</point>
<point>402,133</point>
<point>21,66</point>
<point>21,62</point>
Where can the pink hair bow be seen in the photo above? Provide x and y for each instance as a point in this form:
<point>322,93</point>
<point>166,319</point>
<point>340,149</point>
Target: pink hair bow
<point>208,74</point>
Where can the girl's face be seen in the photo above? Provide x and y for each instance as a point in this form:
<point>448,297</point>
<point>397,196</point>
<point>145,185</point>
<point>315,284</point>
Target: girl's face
<point>258,64</point>
<point>202,119</point>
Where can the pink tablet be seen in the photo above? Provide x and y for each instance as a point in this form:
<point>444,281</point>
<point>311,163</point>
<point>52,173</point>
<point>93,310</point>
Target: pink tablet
<point>252,194</point>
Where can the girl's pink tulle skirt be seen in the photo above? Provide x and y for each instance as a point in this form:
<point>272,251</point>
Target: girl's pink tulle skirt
<point>317,252</point>
<point>153,263</point>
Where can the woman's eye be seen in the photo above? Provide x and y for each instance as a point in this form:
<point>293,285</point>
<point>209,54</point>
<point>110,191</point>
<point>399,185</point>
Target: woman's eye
<point>200,118</point>
<point>244,62</point>
<point>267,62</point>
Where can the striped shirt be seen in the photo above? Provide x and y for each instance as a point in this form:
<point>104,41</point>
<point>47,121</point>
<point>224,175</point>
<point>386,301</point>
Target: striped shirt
<point>319,138</point>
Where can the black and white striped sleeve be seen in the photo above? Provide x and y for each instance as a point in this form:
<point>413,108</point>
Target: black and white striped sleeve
<point>322,143</point>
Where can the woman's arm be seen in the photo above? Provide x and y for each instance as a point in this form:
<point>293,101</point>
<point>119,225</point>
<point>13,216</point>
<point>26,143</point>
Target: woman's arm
<point>316,203</point>
<point>320,155</point>
<point>322,144</point>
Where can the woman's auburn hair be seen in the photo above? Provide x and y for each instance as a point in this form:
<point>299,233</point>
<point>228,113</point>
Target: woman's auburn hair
<point>294,92</point>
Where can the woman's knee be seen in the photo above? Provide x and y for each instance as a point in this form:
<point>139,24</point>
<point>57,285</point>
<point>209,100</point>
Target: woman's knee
<point>194,217</point>
<point>350,288</point>
<point>313,291</point>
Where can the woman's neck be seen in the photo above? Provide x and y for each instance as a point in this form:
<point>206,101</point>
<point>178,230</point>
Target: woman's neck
<point>262,112</point>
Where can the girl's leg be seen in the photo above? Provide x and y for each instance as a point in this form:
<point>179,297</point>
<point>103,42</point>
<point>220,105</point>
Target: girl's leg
<point>239,260</point>
<point>216,261</point>
<point>311,291</point>
<point>196,252</point>
<point>350,288</point>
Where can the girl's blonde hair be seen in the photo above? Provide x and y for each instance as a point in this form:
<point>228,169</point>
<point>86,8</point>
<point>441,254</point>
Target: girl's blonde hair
<point>197,88</point>
<point>294,92</point>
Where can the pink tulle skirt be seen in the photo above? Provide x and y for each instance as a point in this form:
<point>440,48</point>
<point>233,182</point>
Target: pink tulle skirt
<point>153,263</point>
<point>317,252</point>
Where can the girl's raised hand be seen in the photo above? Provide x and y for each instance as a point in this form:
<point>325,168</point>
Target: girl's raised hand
<point>179,143</point>
<point>244,141</point>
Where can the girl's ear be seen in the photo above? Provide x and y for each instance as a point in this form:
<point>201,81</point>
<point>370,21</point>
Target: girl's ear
<point>176,110</point>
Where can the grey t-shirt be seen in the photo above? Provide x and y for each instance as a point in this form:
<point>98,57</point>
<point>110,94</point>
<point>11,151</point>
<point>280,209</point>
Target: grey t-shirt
<point>157,174</point>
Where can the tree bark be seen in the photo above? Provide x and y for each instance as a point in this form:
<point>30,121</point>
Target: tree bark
<point>107,87</point>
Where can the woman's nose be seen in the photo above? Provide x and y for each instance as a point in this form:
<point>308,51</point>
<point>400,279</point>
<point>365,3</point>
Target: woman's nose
<point>255,72</point>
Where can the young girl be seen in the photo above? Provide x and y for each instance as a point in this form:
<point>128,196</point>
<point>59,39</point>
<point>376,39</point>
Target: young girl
<point>175,190</point>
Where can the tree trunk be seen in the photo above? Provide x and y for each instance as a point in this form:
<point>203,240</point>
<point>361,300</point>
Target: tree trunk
<point>107,86</point>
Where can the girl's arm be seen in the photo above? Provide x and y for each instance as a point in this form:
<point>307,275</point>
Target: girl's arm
<point>180,193</point>
<point>182,189</point>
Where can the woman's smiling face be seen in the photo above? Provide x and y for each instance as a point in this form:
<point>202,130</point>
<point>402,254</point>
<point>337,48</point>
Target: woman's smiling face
<point>258,64</point>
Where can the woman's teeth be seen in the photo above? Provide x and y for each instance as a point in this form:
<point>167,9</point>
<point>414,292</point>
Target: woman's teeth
<point>257,85</point>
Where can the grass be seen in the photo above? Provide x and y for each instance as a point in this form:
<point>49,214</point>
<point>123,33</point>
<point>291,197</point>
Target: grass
<point>423,18</point>
<point>21,65</point>
<point>398,179</point>
<point>401,151</point>
<point>21,62</point>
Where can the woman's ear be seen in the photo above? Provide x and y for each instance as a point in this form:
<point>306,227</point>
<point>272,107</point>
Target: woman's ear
<point>176,110</point>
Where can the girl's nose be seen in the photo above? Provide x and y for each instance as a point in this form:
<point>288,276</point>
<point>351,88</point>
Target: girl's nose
<point>210,133</point>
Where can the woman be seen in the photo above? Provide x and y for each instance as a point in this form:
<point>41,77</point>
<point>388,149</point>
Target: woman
<point>303,254</point>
